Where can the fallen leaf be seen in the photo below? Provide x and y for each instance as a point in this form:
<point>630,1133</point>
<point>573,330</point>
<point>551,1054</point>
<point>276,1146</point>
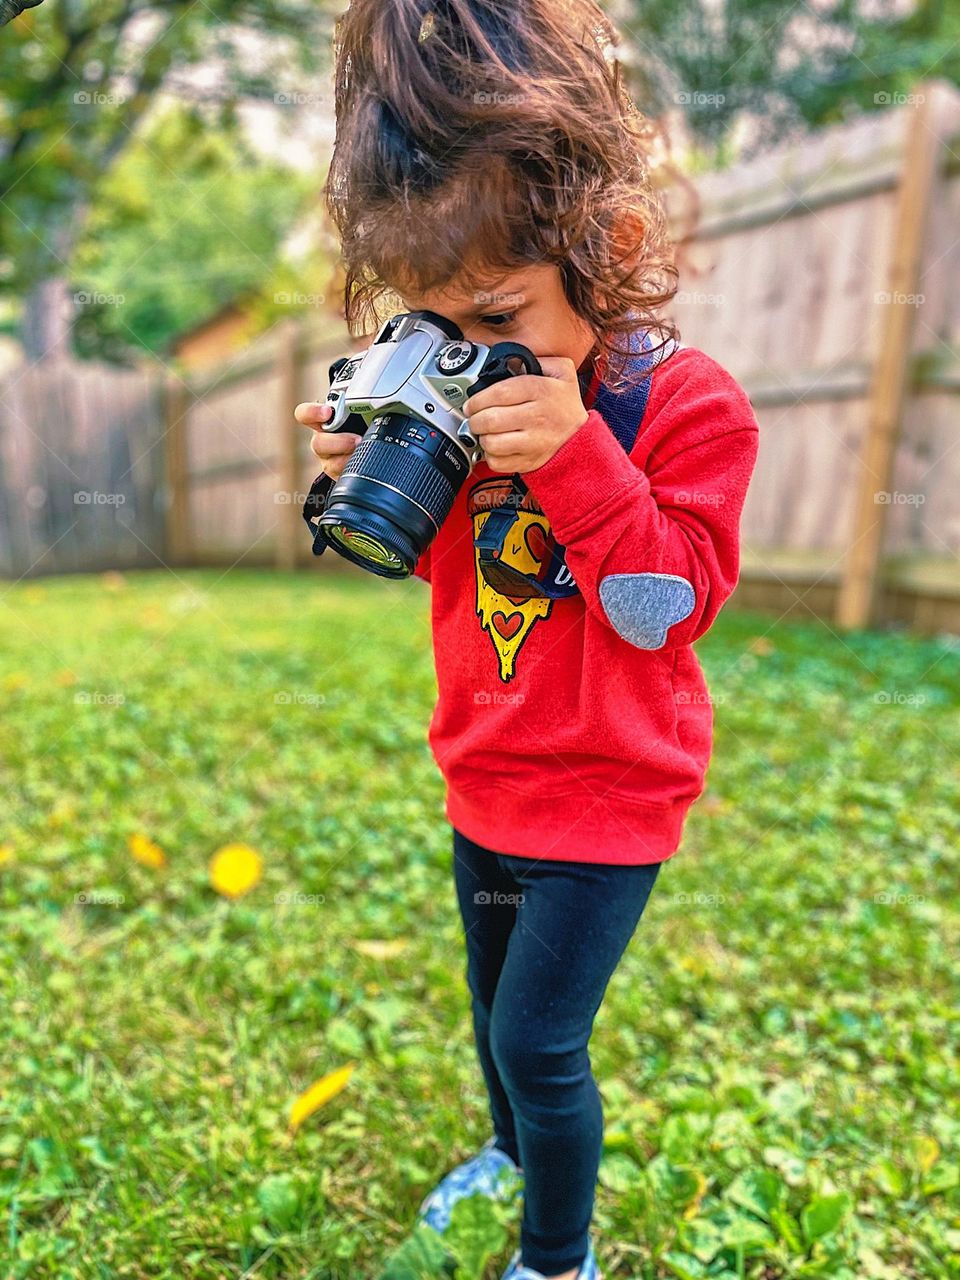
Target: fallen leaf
<point>693,1208</point>
<point>380,948</point>
<point>926,1151</point>
<point>63,812</point>
<point>319,1094</point>
<point>146,852</point>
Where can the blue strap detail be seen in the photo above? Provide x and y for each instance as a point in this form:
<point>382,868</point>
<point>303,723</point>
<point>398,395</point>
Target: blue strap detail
<point>623,412</point>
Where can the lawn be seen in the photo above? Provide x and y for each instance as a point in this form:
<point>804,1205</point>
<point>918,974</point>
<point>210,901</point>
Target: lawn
<point>778,1051</point>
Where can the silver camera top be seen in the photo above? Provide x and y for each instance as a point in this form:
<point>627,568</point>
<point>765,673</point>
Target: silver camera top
<point>413,367</point>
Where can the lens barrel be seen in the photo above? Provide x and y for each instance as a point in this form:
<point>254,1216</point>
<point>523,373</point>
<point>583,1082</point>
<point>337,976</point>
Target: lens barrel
<point>393,495</point>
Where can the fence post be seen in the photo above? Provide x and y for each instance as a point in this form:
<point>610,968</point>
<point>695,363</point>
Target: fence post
<point>923,153</point>
<point>16,451</point>
<point>291,530</point>
<point>178,537</point>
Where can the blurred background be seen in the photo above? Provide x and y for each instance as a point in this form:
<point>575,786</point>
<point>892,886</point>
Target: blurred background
<point>223,833</point>
<point>166,260</point>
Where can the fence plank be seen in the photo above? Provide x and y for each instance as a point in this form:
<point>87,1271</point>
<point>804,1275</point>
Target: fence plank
<point>291,528</point>
<point>178,533</point>
<point>856,602</point>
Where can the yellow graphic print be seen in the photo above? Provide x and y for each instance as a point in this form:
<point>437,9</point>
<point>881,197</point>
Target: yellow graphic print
<point>509,619</point>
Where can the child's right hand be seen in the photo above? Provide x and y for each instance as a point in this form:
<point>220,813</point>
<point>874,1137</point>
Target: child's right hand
<point>333,448</point>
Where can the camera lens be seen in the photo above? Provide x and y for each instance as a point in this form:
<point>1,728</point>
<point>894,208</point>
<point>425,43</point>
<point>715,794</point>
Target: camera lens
<point>393,495</point>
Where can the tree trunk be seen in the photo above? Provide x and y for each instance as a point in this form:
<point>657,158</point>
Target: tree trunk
<point>47,319</point>
<point>48,306</point>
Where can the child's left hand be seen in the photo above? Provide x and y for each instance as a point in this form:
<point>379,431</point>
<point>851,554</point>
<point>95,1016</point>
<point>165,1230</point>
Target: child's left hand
<point>521,422</point>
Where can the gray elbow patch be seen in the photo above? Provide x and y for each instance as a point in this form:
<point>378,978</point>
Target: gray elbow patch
<point>642,606</point>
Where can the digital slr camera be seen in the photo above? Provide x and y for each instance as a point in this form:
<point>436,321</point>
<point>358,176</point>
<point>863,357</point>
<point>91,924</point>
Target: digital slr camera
<point>403,394</point>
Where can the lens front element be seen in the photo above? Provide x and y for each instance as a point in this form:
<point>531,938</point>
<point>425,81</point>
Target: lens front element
<point>367,550</point>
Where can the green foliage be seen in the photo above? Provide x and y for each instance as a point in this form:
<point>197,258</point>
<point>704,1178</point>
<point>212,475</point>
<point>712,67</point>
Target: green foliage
<point>476,1234</point>
<point>186,220</point>
<point>790,67</point>
<point>421,1257</point>
<point>279,1198</point>
<point>778,1050</point>
<point>79,83</point>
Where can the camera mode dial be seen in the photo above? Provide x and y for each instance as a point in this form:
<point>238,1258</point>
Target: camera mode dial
<point>455,356</point>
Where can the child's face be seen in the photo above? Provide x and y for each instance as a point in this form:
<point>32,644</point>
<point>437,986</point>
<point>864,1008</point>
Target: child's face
<point>527,305</point>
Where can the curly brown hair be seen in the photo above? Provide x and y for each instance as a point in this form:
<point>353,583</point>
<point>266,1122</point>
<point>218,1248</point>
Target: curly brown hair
<point>478,136</point>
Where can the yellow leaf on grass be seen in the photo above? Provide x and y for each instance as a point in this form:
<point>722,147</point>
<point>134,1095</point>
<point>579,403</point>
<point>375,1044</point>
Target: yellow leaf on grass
<point>144,851</point>
<point>62,813</point>
<point>235,870</point>
<point>319,1094</point>
<point>693,1208</point>
<point>6,854</point>
<point>927,1152</point>
<point>380,948</point>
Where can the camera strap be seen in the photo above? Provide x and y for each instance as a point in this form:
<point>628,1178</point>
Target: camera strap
<point>623,413</point>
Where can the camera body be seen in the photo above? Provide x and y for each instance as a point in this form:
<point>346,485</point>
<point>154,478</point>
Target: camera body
<point>404,396</point>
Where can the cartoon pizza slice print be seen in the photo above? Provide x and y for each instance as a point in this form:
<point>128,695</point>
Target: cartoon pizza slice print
<point>509,619</point>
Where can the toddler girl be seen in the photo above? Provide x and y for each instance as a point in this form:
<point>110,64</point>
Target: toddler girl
<point>490,166</point>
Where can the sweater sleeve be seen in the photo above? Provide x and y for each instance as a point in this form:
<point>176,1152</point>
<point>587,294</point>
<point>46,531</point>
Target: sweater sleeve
<point>654,550</point>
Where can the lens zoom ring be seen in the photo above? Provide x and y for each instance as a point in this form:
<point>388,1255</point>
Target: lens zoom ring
<point>413,473</point>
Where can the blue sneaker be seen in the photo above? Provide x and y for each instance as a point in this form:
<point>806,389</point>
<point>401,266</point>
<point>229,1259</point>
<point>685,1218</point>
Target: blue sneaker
<point>489,1173</point>
<point>588,1268</point>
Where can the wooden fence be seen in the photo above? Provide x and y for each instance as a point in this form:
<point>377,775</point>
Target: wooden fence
<point>238,462</point>
<point>829,289</point>
<point>103,468</point>
<point>824,276</point>
<point>81,468</point>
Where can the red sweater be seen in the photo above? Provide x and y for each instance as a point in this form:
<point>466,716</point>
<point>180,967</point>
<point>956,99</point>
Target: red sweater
<point>581,728</point>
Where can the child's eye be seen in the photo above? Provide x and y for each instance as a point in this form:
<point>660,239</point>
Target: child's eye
<point>500,321</point>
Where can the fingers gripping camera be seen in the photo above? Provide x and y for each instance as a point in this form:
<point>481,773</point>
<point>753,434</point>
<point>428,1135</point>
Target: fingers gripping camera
<point>403,394</point>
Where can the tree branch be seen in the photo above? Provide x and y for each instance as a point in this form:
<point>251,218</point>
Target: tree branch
<point>10,9</point>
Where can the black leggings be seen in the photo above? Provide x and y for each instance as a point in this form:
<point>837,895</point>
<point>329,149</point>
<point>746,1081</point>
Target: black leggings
<point>543,938</point>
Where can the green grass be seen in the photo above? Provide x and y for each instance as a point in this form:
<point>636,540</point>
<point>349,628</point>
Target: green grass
<point>778,1051</point>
